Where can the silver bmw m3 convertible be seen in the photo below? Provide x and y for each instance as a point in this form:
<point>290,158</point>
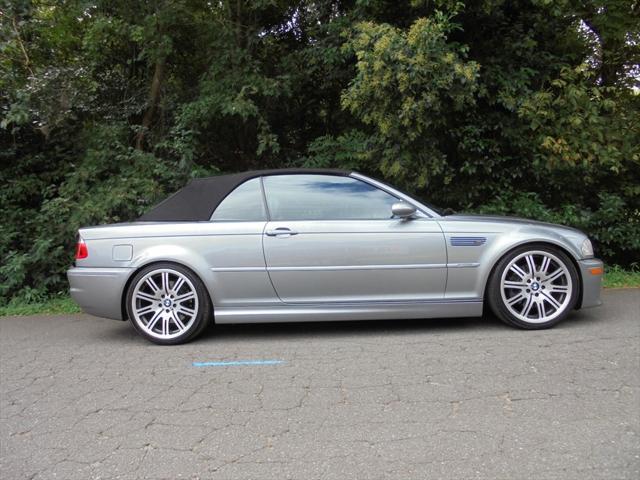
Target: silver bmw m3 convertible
<point>308,245</point>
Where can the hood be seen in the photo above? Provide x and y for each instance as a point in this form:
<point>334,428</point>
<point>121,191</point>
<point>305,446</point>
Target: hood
<point>508,220</point>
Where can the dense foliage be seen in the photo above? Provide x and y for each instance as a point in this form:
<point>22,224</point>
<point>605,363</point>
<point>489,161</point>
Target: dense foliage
<point>514,107</point>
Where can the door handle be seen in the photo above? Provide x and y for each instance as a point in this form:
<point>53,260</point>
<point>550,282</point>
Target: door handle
<point>280,232</point>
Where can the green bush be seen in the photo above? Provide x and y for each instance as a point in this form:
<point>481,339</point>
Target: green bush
<point>111,183</point>
<point>613,228</point>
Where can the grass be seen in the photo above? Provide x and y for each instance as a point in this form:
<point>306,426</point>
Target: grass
<point>614,277</point>
<point>58,305</point>
<point>618,277</point>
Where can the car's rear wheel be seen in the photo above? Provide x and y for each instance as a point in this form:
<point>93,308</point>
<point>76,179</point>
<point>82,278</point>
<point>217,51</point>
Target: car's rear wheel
<point>168,304</point>
<point>533,287</point>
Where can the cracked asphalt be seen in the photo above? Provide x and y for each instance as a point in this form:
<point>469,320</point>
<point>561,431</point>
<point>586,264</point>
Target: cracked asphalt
<point>86,398</point>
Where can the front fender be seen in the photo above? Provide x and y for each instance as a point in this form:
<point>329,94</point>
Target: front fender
<point>505,244</point>
<point>470,266</point>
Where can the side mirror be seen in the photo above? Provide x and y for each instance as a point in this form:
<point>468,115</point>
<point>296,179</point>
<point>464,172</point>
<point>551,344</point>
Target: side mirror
<point>402,210</point>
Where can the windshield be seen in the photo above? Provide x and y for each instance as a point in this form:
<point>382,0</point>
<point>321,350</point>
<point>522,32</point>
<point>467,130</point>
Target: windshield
<point>438,210</point>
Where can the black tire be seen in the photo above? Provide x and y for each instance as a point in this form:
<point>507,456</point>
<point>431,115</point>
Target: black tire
<point>202,305</point>
<point>496,298</point>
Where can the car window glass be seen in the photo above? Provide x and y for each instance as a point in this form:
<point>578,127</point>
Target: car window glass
<point>244,204</point>
<point>325,197</point>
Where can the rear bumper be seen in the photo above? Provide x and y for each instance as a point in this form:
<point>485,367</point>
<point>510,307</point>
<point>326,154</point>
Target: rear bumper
<point>99,291</point>
<point>591,284</point>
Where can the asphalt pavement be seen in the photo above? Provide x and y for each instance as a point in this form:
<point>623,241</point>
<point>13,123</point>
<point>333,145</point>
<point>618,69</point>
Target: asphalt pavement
<point>87,398</point>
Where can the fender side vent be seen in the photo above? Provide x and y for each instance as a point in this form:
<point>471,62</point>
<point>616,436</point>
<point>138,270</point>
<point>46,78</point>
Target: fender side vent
<point>468,241</point>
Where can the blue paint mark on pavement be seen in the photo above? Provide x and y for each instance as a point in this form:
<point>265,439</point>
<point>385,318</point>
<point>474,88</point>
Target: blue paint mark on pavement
<point>236,363</point>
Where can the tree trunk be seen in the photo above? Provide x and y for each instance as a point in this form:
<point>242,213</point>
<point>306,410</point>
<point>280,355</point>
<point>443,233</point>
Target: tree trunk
<point>154,99</point>
<point>27,60</point>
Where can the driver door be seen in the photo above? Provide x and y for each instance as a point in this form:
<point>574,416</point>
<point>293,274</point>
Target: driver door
<point>333,239</point>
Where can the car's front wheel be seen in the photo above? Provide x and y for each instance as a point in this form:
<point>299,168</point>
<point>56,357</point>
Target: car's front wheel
<point>533,287</point>
<point>168,304</point>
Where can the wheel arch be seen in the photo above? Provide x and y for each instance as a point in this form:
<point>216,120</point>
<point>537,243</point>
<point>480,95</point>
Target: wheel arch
<point>544,243</point>
<point>138,269</point>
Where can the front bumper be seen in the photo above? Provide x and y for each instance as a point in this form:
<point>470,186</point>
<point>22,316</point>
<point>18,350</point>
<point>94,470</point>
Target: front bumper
<point>99,291</point>
<point>591,283</point>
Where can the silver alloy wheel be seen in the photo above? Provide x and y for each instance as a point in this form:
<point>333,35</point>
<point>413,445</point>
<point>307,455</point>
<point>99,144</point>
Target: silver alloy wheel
<point>536,286</point>
<point>164,303</point>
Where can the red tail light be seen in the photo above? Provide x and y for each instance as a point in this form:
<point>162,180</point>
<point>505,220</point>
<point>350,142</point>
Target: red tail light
<point>81,250</point>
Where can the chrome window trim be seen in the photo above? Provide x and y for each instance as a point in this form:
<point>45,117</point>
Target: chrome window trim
<point>422,209</point>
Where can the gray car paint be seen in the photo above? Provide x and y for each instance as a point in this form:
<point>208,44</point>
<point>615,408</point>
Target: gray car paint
<point>327,270</point>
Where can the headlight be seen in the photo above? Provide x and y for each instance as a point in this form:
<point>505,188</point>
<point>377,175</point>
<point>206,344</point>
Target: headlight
<point>587,248</point>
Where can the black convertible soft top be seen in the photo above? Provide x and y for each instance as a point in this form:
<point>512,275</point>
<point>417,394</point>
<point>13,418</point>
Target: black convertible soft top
<point>201,196</point>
